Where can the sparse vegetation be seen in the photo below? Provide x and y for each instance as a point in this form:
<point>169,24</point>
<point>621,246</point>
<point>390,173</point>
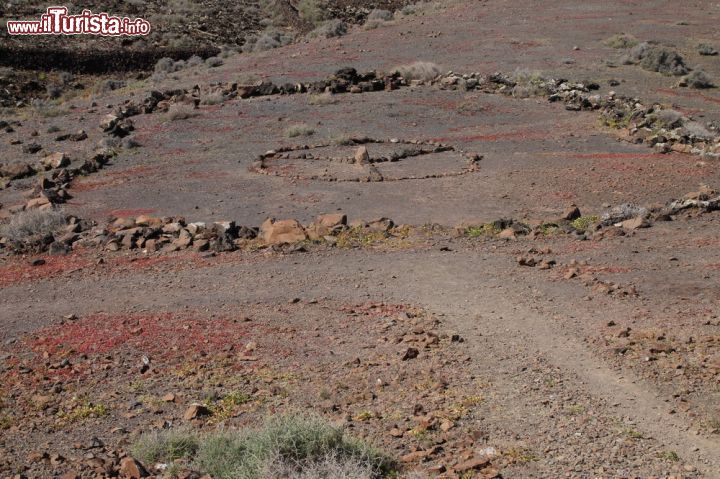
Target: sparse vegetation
<point>83,411</point>
<point>214,98</point>
<point>214,62</point>
<point>671,456</point>
<point>300,129</point>
<point>377,18</point>
<point>706,50</point>
<point>699,79</point>
<point>656,58</point>
<point>423,71</point>
<point>180,111</point>
<point>329,29</point>
<point>312,11</point>
<point>33,224</point>
<point>165,446</point>
<point>668,118</point>
<point>268,40</point>
<point>291,446</point>
<point>621,41</point>
<point>322,99</point>
<point>584,222</point>
<point>487,229</point>
<point>528,83</point>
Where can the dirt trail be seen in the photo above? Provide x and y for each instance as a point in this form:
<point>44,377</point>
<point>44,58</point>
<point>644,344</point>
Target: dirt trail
<point>511,330</point>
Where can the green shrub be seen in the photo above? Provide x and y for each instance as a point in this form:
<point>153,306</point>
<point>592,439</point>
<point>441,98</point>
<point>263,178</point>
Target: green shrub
<point>294,444</point>
<point>164,446</point>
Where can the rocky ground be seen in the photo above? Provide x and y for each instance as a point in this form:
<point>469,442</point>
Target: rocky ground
<point>502,266</point>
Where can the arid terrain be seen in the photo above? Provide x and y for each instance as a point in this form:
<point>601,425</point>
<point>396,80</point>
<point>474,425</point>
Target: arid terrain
<point>481,236</point>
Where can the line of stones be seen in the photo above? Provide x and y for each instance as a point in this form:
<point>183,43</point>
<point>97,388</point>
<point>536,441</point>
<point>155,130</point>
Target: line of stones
<point>263,165</point>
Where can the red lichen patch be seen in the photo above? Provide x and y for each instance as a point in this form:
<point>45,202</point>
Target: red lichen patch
<point>19,270</point>
<point>85,184</point>
<point>163,335</point>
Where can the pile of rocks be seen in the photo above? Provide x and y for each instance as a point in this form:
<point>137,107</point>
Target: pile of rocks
<point>166,235</point>
<point>58,172</point>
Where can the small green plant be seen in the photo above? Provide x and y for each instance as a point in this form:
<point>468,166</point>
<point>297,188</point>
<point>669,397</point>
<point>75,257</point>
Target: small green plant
<point>226,407</point>
<point>584,222</point>
<point>359,236</point>
<point>83,411</point>
<point>286,446</point>
<point>165,446</point>
<point>487,229</point>
<point>633,433</point>
<point>300,129</point>
<point>669,456</point>
<point>6,422</point>
<point>575,409</point>
<point>521,454</point>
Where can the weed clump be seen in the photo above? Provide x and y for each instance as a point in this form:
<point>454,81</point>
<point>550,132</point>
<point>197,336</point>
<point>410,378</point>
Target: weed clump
<point>706,50</point>
<point>330,29</point>
<point>656,58</point>
<point>699,79</point>
<point>31,225</point>
<point>422,71</point>
<point>300,129</point>
<point>165,446</point>
<point>289,446</point>
<point>621,41</point>
<point>267,41</point>
<point>180,111</point>
<point>584,222</point>
<point>528,83</point>
<point>668,119</point>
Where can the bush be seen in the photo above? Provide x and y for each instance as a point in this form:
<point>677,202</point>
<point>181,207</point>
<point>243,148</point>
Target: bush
<point>301,129</point>
<point>695,129</point>
<point>289,446</point>
<point>326,98</point>
<point>706,50</point>
<point>164,446</point>
<point>30,225</point>
<point>267,41</point>
<point>109,85</point>
<point>330,29</point>
<point>194,61</point>
<point>424,71</point>
<point>699,79</point>
<point>377,18</point>
<point>621,40</point>
<point>528,83</point>
<point>668,119</point>
<point>656,58</point>
<point>312,11</point>
<point>382,15</point>
<point>165,65</point>
<point>213,62</point>
<point>180,111</point>
<point>214,98</point>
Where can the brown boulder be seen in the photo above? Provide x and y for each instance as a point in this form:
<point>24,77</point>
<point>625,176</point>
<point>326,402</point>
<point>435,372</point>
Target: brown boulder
<point>326,225</point>
<point>362,156</point>
<point>132,469</point>
<point>15,171</point>
<point>282,232</point>
<point>55,160</point>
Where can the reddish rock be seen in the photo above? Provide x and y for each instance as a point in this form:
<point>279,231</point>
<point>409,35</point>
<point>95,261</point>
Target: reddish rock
<point>132,469</point>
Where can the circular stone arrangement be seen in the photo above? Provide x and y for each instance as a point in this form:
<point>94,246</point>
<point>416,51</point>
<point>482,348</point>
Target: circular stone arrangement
<point>367,160</point>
